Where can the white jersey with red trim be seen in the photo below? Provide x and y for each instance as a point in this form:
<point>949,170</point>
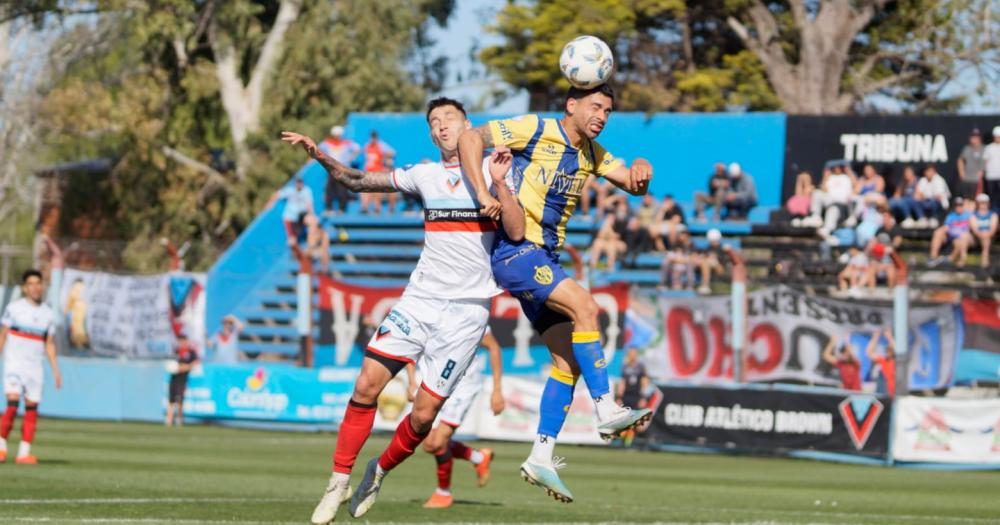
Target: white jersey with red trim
<point>455,261</point>
<point>28,325</point>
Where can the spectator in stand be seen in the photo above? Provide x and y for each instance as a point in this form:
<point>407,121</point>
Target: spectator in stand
<point>639,230</point>
<point>845,362</point>
<point>677,268</point>
<point>742,195</point>
<point>870,184</point>
<point>984,227</point>
<point>318,243</point>
<point>872,213</point>
<point>718,186</point>
<point>799,204</point>
<point>668,224</point>
<point>932,196</point>
<point>610,238</point>
<point>855,273</point>
<point>886,362</point>
<point>378,159</point>
<point>226,343</point>
<point>991,169</point>
<point>712,260</point>
<point>595,191</point>
<point>344,151</point>
<point>956,231</point>
<point>187,359</point>
<point>298,204</point>
<point>831,204</point>
<point>970,167</point>
<point>903,204</point>
<point>880,263</point>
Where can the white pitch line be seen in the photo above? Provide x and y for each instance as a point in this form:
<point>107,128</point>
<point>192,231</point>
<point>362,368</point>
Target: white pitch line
<point>221,522</point>
<point>138,501</point>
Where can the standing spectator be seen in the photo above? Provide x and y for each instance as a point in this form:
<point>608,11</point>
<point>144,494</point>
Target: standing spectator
<point>318,243</point>
<point>344,151</point>
<point>970,166</point>
<point>991,168</point>
<point>187,359</point>
<point>378,159</point>
<point>610,238</point>
<point>832,203</point>
<point>718,186</point>
<point>886,362</point>
<point>956,231</point>
<point>669,224</point>
<point>798,205</point>
<point>932,196</point>
<point>742,196</point>
<point>633,388</point>
<point>984,227</point>
<point>845,362</point>
<point>298,204</point>
<point>903,204</point>
<point>712,260</point>
<point>226,343</point>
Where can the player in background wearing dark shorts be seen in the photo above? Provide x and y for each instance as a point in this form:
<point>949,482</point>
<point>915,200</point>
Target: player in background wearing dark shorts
<point>187,359</point>
<point>633,387</point>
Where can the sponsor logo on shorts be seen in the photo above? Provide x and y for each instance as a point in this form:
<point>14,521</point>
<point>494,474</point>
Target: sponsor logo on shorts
<point>600,363</point>
<point>566,408</point>
<point>543,275</point>
<point>441,383</point>
<point>399,320</point>
<point>527,296</point>
<point>383,331</point>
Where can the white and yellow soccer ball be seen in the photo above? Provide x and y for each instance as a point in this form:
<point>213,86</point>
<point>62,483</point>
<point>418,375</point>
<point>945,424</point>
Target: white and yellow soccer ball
<point>587,62</point>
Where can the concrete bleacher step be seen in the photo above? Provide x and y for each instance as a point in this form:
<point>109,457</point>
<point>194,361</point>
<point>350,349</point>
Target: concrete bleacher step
<point>289,348</point>
<point>269,332</point>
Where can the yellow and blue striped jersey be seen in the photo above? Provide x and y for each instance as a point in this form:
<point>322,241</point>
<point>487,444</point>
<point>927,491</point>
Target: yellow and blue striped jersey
<point>548,173</point>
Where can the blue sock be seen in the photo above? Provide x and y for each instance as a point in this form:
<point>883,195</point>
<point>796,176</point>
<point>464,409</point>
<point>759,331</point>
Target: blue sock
<point>590,357</point>
<point>556,399</point>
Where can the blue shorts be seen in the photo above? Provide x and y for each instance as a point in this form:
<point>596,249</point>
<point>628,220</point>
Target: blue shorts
<point>530,273</point>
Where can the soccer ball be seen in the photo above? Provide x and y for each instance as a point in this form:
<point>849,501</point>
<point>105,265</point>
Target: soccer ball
<point>587,62</point>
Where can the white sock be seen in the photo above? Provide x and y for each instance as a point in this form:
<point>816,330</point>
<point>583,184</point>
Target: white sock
<point>606,407</point>
<point>542,449</point>
<point>477,457</point>
<point>443,492</point>
<point>3,445</point>
<point>24,449</point>
<point>379,471</point>
<point>340,478</point>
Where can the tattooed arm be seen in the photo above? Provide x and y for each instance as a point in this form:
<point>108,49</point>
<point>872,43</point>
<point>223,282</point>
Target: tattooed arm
<point>471,145</point>
<point>355,180</point>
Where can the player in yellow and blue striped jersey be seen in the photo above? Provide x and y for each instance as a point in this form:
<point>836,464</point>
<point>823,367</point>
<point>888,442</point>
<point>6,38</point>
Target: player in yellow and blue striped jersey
<point>552,159</point>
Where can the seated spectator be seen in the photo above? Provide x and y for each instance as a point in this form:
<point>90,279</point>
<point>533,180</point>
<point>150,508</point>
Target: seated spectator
<point>880,264</point>
<point>378,159</point>
<point>712,260</point>
<point>718,186</point>
<point>798,205</point>
<point>872,213</point>
<point>971,167</point>
<point>677,268</point>
<point>984,227</point>
<point>886,363</point>
<point>831,204</point>
<point>742,194</point>
<point>956,231</point>
<point>932,196</point>
<point>595,191</point>
<point>298,204</point>
<point>669,224</point>
<point>855,273</point>
<point>844,361</point>
<point>344,151</point>
<point>870,182</point>
<point>609,240</point>
<point>903,204</point>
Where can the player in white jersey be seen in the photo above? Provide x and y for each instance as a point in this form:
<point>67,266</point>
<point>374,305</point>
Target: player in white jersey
<point>443,312</point>
<point>26,334</point>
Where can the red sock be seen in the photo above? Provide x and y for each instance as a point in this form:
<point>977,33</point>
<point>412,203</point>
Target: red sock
<point>7,423</point>
<point>461,451</point>
<point>403,443</point>
<point>354,431</point>
<point>30,422</point>
<point>444,462</point>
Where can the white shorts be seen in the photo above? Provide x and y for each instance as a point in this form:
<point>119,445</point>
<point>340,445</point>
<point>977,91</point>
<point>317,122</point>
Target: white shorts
<point>442,334</point>
<point>454,410</point>
<point>23,380</point>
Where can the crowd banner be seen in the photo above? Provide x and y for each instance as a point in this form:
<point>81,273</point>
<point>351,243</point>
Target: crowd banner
<point>979,359</point>
<point>939,430</point>
<point>349,314</point>
<point>888,142</point>
<point>275,393</point>
<point>787,332</point>
<point>130,315</point>
<point>772,420</point>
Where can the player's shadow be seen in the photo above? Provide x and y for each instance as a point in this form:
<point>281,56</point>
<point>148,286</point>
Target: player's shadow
<point>53,462</point>
<point>469,502</point>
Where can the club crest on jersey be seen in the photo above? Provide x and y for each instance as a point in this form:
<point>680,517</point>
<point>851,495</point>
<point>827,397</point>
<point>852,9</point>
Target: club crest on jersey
<point>453,181</point>
<point>383,331</point>
<point>543,275</point>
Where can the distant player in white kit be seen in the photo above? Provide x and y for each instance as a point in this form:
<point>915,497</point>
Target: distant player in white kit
<point>443,313</point>
<point>26,332</point>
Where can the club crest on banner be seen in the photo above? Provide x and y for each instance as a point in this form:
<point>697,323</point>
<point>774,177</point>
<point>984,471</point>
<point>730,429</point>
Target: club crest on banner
<point>860,414</point>
<point>933,431</point>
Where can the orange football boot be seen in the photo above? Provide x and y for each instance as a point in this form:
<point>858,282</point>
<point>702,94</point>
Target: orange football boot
<point>483,468</point>
<point>438,501</point>
<point>3,456</point>
<point>27,460</point>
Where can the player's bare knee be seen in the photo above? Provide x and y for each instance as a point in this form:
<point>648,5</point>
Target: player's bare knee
<point>365,391</point>
<point>433,445</point>
<point>585,315</point>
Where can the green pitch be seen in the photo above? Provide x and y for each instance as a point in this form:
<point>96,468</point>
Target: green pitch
<point>132,473</point>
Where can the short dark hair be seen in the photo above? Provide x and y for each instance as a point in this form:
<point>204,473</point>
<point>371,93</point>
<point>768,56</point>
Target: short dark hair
<point>28,274</point>
<point>444,101</point>
<point>578,93</point>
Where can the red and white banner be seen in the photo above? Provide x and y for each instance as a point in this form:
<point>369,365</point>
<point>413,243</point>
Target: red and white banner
<point>519,421</point>
<point>947,430</point>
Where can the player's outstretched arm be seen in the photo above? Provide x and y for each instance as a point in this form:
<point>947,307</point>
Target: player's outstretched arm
<point>497,403</point>
<point>355,180</point>
<point>471,145</point>
<point>635,180</point>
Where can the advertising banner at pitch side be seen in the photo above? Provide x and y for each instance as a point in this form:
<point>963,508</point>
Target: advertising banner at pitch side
<point>772,420</point>
<point>787,332</point>
<point>937,430</point>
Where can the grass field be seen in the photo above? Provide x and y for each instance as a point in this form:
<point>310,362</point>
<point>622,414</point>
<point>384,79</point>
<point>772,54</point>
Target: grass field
<point>135,473</point>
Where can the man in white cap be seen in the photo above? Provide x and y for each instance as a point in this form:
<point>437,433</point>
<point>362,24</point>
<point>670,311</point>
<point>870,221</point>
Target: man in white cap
<point>742,195</point>
<point>991,161</point>
<point>984,227</point>
<point>345,151</point>
<point>712,260</point>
